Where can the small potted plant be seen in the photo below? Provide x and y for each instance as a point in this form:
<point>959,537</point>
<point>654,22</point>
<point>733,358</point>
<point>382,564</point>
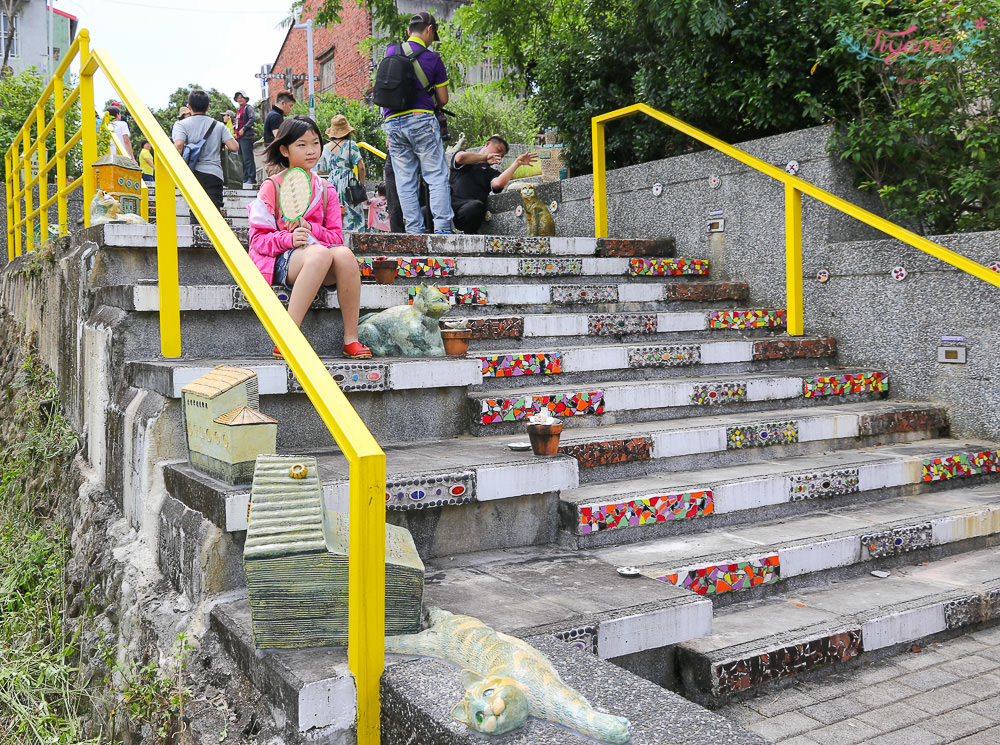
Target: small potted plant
<point>543,432</point>
<point>385,269</point>
<point>455,335</point>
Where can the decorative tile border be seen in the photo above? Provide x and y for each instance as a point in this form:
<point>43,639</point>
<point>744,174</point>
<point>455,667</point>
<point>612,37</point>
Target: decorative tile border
<point>388,243</point>
<point>322,299</point>
<point>608,452</point>
<point>963,612</point>
<point>558,405</point>
<point>786,349</point>
<point>351,377</point>
<point>842,385</point>
<point>497,328</point>
<point>609,324</point>
<point>200,239</point>
<point>959,466</point>
<point>431,266</point>
<point>895,541</point>
<point>911,420</point>
<point>667,267</point>
<point>583,638</point>
<point>670,355</point>
<point>431,491</point>
<point>565,294</point>
<point>549,267</point>
<point>627,247</point>
<point>761,435</point>
<point>742,675</point>
<point>747,319</point>
<point>706,292</point>
<point>741,575</point>
<point>455,295</point>
<point>713,394</point>
<point>505,244</point>
<point>658,509</point>
<point>823,484</point>
<point>511,365</point>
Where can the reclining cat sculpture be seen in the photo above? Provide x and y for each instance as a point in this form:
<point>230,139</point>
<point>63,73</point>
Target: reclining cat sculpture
<point>406,330</point>
<point>506,680</point>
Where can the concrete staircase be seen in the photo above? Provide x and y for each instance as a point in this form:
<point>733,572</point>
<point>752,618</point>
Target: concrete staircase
<point>742,483</point>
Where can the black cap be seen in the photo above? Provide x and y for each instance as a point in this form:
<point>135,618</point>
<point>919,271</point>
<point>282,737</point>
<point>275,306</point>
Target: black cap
<point>425,18</point>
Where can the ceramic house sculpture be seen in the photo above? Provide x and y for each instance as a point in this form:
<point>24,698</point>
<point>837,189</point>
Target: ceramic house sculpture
<point>121,178</point>
<point>295,560</point>
<point>225,432</point>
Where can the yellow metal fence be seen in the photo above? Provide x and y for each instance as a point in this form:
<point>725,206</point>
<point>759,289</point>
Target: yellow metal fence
<point>794,189</point>
<point>366,624</point>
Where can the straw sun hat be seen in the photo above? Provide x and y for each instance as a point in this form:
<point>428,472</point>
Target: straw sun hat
<point>340,127</point>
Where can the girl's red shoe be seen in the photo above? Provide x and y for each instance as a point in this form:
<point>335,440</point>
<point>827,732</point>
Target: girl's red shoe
<point>277,354</point>
<point>357,351</point>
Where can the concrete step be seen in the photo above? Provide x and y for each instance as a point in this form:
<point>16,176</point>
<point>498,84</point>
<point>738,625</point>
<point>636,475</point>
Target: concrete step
<point>748,561</point>
<point>654,506</point>
<point>780,640</point>
<point>503,411</point>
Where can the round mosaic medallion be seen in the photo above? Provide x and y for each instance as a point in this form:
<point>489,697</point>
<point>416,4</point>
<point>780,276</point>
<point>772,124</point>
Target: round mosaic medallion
<point>553,206</point>
<point>898,273</point>
<point>792,167</point>
<point>714,182</point>
<point>823,275</point>
<point>519,211</point>
<point>994,266</point>
<point>657,189</point>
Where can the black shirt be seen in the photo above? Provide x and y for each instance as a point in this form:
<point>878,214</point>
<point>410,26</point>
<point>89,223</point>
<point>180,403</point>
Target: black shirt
<point>472,180</point>
<point>272,121</point>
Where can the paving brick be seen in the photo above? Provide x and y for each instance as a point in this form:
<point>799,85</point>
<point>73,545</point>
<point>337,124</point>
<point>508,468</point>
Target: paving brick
<point>986,737</point>
<point>836,709</point>
<point>880,694</point>
<point>965,667</point>
<point>992,653</point>
<point>893,717</point>
<point>988,709</point>
<point>741,713</point>
<point>877,673</point>
<point>784,725</point>
<point>989,636</point>
<point>909,736</point>
<point>961,646</point>
<point>958,723</point>
<point>925,680</point>
<point>980,686</point>
<point>848,732</point>
<point>787,700</point>
<point>940,700</point>
<point>798,740</point>
<point>920,660</point>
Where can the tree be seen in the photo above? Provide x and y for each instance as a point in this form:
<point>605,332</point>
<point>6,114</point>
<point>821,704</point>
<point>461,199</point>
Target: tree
<point>218,103</point>
<point>10,9</point>
<point>18,96</point>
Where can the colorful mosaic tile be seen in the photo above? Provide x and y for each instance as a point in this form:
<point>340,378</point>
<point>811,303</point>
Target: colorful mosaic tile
<point>322,299</point>
<point>496,328</point>
<point>388,243</point>
<point>564,294</point>
<point>712,394</point>
<point>706,292</point>
<point>608,324</point>
<point>842,385</point>
<point>608,452</point>
<point>786,349</point>
<point>424,267</point>
<point>895,541</point>
<point>746,319</point>
<point>505,244</point>
<point>431,491</point>
<point>558,405</point>
<point>625,247</point>
<point>741,575</point>
<point>351,377</point>
<point>456,295</point>
<point>200,238</point>
<point>964,612</point>
<point>761,435</point>
<point>671,355</point>
<point>667,267</point>
<point>823,484</point>
<point>965,464</point>
<point>583,638</point>
<point>742,675</point>
<point>658,509</point>
<point>510,365</point>
<point>549,267</point>
<point>911,420</point>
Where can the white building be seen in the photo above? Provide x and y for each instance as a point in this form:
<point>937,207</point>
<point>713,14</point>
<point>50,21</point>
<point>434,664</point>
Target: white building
<point>37,30</point>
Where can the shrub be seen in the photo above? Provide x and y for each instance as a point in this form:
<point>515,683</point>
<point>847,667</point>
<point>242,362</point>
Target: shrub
<point>483,110</point>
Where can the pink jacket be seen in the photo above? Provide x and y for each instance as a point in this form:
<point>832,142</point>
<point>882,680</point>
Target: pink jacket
<point>269,238</point>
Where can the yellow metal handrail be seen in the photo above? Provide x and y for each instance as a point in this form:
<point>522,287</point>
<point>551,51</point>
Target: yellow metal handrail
<point>794,189</point>
<point>366,569</point>
<point>371,149</point>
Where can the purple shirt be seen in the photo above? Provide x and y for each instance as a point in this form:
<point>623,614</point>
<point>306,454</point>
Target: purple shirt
<point>432,66</point>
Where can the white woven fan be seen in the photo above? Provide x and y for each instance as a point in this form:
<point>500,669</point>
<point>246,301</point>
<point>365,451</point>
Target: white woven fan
<point>295,194</point>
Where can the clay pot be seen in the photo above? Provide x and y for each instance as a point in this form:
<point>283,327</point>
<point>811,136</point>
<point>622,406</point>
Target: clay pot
<point>544,438</point>
<point>456,341</point>
<point>385,271</point>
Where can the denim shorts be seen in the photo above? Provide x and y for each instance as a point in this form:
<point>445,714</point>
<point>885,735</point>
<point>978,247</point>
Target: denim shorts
<point>281,271</point>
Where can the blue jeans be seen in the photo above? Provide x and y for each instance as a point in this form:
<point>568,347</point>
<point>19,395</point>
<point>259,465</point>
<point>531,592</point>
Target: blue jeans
<point>416,149</point>
<point>246,153</point>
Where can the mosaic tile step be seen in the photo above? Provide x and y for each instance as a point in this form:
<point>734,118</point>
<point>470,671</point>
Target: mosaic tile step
<point>604,269</point>
<point>773,640</point>
<point>491,245</point>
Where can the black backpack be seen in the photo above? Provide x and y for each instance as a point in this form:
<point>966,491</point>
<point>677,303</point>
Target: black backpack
<point>395,81</point>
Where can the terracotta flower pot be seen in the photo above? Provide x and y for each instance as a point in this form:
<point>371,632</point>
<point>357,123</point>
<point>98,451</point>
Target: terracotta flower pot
<point>385,270</point>
<point>544,438</point>
<point>456,341</point>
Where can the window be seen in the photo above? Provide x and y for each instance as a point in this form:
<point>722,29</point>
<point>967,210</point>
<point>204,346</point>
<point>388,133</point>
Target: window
<point>4,30</point>
<point>298,90</point>
<point>326,77</point>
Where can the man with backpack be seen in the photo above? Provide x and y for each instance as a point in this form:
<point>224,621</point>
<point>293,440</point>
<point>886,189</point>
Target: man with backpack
<point>199,139</point>
<point>410,82</point>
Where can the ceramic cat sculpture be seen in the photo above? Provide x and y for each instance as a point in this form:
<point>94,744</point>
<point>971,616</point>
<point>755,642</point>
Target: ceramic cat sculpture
<point>536,214</point>
<point>506,680</point>
<point>406,330</point>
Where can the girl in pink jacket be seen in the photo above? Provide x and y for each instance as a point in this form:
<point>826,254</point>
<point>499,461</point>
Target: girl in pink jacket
<point>306,253</point>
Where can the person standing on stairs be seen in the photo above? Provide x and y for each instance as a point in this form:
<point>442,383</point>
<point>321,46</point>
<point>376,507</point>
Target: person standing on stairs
<point>202,128</point>
<point>305,254</point>
<point>340,156</point>
<point>246,117</point>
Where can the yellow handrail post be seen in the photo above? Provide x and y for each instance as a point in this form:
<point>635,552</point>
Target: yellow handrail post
<point>144,198</point>
<point>793,260</point>
<point>366,584</point>
<point>87,120</point>
<point>8,173</point>
<point>43,176</point>
<point>15,178</point>
<point>60,156</point>
<point>166,263</point>
<point>600,181</point>
<point>29,199</point>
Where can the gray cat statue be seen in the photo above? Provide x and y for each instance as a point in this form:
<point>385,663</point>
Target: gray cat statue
<point>407,330</point>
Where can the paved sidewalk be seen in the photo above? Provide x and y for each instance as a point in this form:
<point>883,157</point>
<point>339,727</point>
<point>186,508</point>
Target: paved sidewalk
<point>948,692</point>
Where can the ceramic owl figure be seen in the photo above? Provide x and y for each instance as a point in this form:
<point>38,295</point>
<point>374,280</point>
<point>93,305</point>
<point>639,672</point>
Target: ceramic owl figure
<point>536,214</point>
<point>407,330</point>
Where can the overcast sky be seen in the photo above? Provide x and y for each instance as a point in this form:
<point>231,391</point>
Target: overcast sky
<point>161,45</point>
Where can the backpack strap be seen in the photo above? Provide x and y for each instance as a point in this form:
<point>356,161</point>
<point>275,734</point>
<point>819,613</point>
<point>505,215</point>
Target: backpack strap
<point>417,69</point>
